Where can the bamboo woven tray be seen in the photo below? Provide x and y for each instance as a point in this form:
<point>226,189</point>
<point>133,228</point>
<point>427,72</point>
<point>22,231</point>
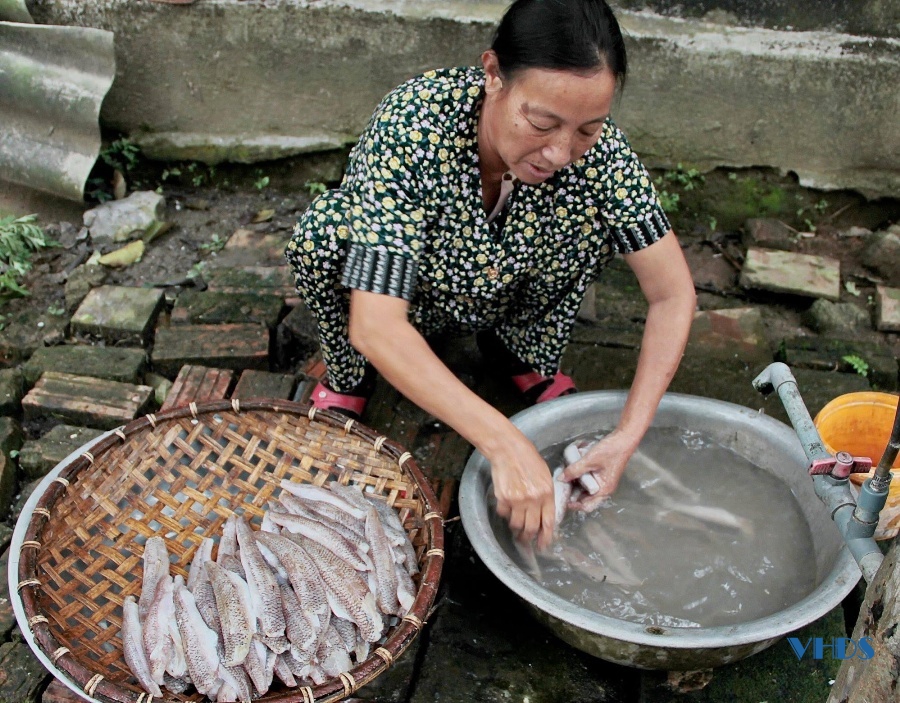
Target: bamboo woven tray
<point>180,474</point>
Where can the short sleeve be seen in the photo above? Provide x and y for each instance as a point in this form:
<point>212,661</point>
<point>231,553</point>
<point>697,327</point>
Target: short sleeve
<point>629,207</point>
<point>386,217</point>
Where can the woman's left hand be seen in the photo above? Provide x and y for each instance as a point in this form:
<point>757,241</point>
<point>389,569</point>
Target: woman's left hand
<point>606,462</point>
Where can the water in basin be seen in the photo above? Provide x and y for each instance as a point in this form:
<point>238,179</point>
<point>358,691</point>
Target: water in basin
<point>729,547</point>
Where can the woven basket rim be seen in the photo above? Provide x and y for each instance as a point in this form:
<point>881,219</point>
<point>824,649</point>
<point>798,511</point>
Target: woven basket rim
<point>95,686</point>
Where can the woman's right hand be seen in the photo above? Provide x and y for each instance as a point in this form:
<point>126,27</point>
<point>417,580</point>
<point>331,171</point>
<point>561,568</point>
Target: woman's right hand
<point>523,487</point>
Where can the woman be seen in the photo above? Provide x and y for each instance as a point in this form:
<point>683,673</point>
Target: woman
<point>487,200</point>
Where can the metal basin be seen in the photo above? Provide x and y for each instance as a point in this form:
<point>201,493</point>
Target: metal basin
<point>768,443</point>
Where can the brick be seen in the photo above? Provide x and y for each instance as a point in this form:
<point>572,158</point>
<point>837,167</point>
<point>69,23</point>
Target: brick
<point>7,616</point>
<point>38,457</point>
<point>258,247</point>
<point>273,280</point>
<point>768,233</point>
<point>30,330</point>
<point>296,337</point>
<point>796,274</point>
<point>58,692</point>
<point>222,346</point>
<point>81,400</point>
<point>262,384</point>
<point>733,332</point>
<point>112,363</point>
<point>119,314</point>
<point>11,439</point>
<point>24,674</point>
<point>212,308</point>
<point>12,388</point>
<point>197,384</point>
<point>887,309</point>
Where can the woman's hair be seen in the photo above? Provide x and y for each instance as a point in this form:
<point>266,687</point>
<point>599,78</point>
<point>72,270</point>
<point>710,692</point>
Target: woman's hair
<point>560,34</point>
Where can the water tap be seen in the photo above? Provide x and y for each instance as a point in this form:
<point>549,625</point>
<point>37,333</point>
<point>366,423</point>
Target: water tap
<point>841,465</point>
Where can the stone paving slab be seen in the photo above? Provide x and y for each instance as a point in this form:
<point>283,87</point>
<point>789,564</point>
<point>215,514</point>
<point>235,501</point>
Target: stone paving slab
<point>7,616</point>
<point>81,400</point>
<point>796,274</point>
<point>38,456</point>
<point>225,346</point>
<point>263,384</point>
<point>296,337</point>
<point>112,363</point>
<point>32,329</point>
<point>11,440</point>
<point>25,676</point>
<point>12,388</point>
<point>119,314</point>
<point>81,282</point>
<point>197,384</point>
<point>734,332</point>
<point>828,354</point>
<point>768,233</point>
<point>212,308</point>
<point>58,692</point>
<point>273,280</point>
<point>887,309</point>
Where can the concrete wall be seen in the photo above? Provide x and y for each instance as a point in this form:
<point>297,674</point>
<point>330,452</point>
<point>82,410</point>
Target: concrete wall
<point>247,80</point>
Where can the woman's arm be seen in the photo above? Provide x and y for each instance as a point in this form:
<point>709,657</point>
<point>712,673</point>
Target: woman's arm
<point>380,331</point>
<point>666,282</point>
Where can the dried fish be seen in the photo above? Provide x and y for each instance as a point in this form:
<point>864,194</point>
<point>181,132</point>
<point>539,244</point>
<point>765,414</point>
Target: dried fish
<point>296,506</point>
<point>562,492</point>
<point>348,594</point>
<point>177,666</point>
<point>201,556</point>
<point>317,493</point>
<point>263,585</point>
<point>156,566</point>
<point>236,614</point>
<point>199,643</point>
<point>332,655</point>
<point>328,538</point>
<point>228,545</point>
<point>711,515</point>
<point>383,559</point>
<point>133,647</point>
<point>305,578</point>
<point>157,637</point>
<point>300,631</point>
<point>233,564</point>
<point>255,665</point>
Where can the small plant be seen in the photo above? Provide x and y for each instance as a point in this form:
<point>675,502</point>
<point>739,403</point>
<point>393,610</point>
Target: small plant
<point>56,310</point>
<point>169,172</point>
<point>214,245</point>
<point>713,223</point>
<point>261,182</point>
<point>669,201</point>
<point>20,237</point>
<point>121,155</point>
<point>857,363</point>
<point>315,187</point>
<point>687,179</point>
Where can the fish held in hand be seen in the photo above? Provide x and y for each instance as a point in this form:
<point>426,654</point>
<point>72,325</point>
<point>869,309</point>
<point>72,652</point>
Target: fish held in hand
<point>574,452</point>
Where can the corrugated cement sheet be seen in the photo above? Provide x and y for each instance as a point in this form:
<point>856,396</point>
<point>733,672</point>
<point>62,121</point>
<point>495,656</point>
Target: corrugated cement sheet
<point>52,83</point>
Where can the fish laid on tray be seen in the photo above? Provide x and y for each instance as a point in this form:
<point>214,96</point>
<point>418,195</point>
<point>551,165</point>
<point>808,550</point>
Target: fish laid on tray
<point>302,599</point>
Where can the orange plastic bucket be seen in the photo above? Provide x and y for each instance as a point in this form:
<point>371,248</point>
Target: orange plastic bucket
<point>861,423</point>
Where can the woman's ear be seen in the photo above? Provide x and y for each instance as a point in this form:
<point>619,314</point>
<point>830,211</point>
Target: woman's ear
<point>493,82</point>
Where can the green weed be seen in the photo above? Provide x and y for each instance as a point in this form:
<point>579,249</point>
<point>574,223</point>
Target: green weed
<point>315,188</point>
<point>20,237</point>
<point>214,245</point>
<point>857,363</point>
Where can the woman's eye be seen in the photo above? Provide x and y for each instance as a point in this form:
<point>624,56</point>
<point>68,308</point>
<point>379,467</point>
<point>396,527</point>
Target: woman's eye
<point>541,129</point>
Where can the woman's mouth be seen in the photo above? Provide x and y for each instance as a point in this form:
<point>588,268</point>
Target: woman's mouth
<point>539,172</point>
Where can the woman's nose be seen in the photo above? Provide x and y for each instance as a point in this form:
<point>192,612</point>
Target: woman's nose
<point>558,151</point>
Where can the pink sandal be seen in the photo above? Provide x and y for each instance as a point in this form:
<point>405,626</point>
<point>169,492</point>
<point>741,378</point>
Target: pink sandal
<point>326,399</point>
<point>546,388</point>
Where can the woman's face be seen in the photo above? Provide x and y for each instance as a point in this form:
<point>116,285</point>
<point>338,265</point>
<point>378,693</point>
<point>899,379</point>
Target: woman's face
<point>541,120</point>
